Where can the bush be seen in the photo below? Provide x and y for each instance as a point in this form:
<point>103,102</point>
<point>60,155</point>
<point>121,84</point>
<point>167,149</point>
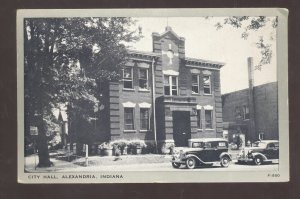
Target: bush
<point>137,144</point>
<point>105,145</point>
<point>167,148</point>
<point>121,144</point>
<point>150,148</point>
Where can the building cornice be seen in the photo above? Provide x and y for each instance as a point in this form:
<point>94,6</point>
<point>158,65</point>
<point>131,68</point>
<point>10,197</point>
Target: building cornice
<point>203,64</point>
<point>142,54</point>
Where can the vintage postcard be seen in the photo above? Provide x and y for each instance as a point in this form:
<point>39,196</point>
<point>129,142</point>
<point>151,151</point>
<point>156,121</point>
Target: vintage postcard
<point>152,95</point>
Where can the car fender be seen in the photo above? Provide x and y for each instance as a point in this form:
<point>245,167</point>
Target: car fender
<point>194,156</point>
<point>259,154</point>
<point>225,154</point>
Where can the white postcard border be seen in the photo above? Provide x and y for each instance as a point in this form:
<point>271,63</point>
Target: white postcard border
<point>160,176</point>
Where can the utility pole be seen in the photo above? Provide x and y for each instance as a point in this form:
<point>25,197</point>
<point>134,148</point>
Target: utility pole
<point>153,104</point>
<point>252,135</point>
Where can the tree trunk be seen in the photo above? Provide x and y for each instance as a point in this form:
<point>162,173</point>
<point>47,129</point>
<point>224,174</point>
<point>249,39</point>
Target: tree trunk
<point>42,145</point>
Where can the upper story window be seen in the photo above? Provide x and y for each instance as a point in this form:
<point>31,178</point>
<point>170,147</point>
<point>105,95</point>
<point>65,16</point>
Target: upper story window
<point>143,78</point>
<point>207,84</point>
<point>127,78</point>
<point>170,85</point>
<point>195,84</point>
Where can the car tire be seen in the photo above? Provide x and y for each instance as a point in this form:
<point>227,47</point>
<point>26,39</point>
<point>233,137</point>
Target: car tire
<point>225,161</point>
<point>191,163</point>
<point>175,165</point>
<point>258,160</point>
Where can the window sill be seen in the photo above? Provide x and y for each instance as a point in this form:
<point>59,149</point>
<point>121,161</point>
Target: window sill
<point>209,129</point>
<point>246,119</point>
<point>129,131</point>
<point>144,90</point>
<point>128,89</point>
<point>206,94</point>
<point>144,131</point>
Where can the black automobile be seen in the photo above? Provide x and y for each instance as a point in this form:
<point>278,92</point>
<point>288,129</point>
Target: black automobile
<point>202,152</point>
<point>263,151</point>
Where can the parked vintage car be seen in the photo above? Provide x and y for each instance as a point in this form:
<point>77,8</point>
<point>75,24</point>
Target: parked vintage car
<point>261,152</point>
<point>202,152</point>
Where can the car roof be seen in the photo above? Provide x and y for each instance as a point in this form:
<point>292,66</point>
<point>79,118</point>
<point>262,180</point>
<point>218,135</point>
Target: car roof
<point>208,140</point>
<point>268,141</point>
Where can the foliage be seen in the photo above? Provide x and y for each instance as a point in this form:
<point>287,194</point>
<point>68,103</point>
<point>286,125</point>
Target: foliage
<point>249,24</point>
<point>120,143</point>
<point>167,147</point>
<point>55,141</point>
<point>65,60</point>
<point>137,144</point>
<point>105,145</point>
<point>170,145</point>
<point>150,148</point>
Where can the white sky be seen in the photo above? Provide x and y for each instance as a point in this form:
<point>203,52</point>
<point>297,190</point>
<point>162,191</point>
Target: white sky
<point>203,41</point>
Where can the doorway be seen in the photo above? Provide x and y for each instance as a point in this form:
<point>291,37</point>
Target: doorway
<point>181,128</point>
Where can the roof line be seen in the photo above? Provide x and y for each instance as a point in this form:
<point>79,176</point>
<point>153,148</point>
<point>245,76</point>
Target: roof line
<point>204,61</point>
<point>143,53</point>
<point>168,29</point>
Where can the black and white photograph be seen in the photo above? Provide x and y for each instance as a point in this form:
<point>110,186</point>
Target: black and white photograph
<point>124,96</point>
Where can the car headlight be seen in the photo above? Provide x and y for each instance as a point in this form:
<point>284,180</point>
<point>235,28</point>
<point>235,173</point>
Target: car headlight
<point>249,153</point>
<point>242,153</point>
<point>182,154</point>
<point>176,154</point>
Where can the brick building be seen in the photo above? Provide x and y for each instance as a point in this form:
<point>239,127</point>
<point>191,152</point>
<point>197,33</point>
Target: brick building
<point>164,96</point>
<point>236,112</point>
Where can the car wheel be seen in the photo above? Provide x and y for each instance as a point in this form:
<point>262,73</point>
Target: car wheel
<point>191,163</point>
<point>175,165</point>
<point>258,160</point>
<point>225,161</point>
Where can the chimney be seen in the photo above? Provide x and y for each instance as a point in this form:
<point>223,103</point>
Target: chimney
<point>252,135</point>
<point>168,28</point>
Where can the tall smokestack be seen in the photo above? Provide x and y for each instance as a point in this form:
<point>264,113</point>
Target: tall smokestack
<point>252,131</point>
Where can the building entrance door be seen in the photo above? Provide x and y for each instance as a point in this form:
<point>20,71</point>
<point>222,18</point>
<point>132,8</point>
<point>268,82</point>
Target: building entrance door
<point>181,127</point>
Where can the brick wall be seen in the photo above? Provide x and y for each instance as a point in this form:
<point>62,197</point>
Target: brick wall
<point>118,95</point>
<point>265,105</point>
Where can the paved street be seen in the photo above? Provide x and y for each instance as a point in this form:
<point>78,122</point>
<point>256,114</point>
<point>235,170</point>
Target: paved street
<point>162,163</point>
<point>168,167</point>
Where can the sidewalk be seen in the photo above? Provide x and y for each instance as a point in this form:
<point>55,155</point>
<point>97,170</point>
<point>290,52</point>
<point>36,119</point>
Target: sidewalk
<point>94,161</point>
<point>79,163</point>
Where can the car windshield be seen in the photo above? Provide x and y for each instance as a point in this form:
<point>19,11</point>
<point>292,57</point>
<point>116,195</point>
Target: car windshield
<point>260,144</point>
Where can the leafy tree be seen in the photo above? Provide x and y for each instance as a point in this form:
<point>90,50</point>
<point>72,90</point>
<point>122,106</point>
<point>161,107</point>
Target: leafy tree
<point>64,60</point>
<point>249,24</point>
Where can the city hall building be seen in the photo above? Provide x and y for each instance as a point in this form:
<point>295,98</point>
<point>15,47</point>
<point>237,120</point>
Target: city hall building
<point>163,96</point>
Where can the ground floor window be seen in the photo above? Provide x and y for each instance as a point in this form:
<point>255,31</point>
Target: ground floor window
<point>199,122</point>
<point>128,118</point>
<point>261,136</point>
<point>246,112</point>
<point>144,118</point>
<point>208,119</point>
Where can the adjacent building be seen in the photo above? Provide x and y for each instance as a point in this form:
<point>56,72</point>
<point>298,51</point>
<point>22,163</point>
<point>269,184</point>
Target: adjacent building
<point>236,112</point>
